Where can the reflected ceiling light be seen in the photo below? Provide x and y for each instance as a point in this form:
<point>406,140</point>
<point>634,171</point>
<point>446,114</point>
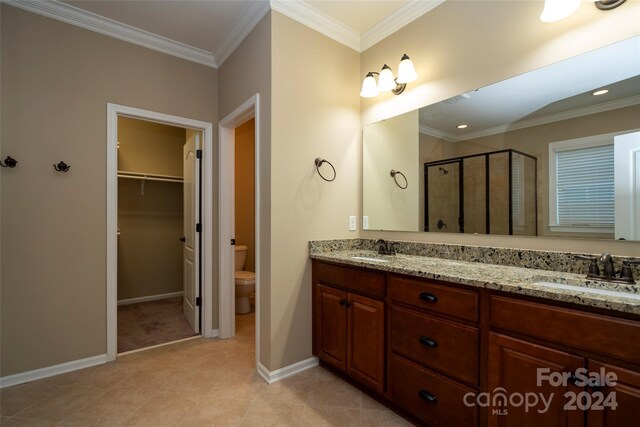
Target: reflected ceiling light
<point>462,126</point>
<point>386,81</point>
<point>600,92</point>
<point>555,10</point>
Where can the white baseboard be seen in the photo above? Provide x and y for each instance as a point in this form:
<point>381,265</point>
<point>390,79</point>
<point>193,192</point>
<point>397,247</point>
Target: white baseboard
<point>49,371</point>
<point>273,376</point>
<point>150,298</point>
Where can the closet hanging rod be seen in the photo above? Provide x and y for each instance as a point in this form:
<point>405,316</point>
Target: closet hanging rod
<point>150,177</point>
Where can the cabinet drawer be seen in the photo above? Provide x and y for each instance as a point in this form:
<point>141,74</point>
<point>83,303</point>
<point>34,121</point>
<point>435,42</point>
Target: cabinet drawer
<point>456,302</point>
<point>444,346</point>
<point>610,336</point>
<point>433,398</point>
<point>363,281</point>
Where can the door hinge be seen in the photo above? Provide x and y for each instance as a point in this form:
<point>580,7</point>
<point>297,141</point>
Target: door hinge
<point>198,154</point>
<point>198,301</point>
<point>198,228</point>
<point>233,242</point>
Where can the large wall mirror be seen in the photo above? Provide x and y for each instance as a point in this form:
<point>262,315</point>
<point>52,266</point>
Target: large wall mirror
<point>553,152</point>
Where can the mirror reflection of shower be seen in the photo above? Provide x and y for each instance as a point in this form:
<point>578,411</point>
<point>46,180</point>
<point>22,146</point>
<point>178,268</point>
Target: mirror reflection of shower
<point>484,193</point>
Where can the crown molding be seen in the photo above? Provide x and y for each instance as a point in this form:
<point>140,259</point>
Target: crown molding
<point>90,21</point>
<point>565,115</point>
<point>398,19</point>
<point>252,15</point>
<point>311,17</point>
<point>426,130</point>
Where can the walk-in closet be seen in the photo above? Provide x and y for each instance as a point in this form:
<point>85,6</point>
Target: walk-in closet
<point>150,234</point>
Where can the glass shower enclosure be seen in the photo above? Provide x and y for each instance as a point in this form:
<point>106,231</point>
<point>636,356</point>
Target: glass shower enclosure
<point>487,193</point>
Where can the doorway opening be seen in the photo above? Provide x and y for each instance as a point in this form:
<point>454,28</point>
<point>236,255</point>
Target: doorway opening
<point>159,201</point>
<point>239,222</point>
<point>244,219</point>
<point>158,207</point>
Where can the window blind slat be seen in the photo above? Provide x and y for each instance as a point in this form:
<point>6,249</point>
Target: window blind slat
<point>584,186</point>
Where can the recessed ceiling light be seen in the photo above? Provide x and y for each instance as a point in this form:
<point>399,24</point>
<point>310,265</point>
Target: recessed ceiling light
<point>600,92</point>
<point>463,126</point>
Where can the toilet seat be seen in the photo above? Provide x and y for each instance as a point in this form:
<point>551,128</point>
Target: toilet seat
<point>245,278</point>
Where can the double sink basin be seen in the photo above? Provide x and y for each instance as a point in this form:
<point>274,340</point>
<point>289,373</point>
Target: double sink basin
<point>544,284</point>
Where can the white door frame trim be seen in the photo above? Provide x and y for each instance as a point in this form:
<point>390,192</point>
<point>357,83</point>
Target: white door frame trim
<point>113,111</point>
<point>226,225</point>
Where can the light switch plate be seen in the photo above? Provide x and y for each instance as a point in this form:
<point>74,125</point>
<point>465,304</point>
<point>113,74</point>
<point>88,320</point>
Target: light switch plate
<point>365,222</point>
<point>352,223</point>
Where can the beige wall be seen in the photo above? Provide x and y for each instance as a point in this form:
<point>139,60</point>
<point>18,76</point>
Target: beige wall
<point>391,144</point>
<point>149,147</point>
<point>465,52</point>
<point>247,72</point>
<point>56,81</point>
<point>150,224</point>
<point>315,110</point>
<point>245,190</point>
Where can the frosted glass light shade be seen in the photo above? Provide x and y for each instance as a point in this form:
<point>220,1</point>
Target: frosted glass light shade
<point>386,80</point>
<point>406,71</point>
<point>369,87</point>
<point>555,10</point>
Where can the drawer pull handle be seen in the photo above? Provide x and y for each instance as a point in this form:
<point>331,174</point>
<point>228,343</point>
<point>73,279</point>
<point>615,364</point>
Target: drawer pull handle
<point>429,342</point>
<point>343,301</point>
<point>426,296</point>
<point>428,397</point>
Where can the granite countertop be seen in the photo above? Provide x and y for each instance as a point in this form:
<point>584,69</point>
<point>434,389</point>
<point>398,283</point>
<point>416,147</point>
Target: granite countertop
<point>515,280</point>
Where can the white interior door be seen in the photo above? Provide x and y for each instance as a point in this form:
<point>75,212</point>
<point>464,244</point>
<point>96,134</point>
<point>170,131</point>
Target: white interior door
<point>191,218</point>
<point>627,186</point>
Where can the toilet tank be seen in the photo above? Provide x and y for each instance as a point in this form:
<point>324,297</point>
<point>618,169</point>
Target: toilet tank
<point>241,257</point>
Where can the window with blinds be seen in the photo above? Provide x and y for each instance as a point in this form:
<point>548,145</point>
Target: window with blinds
<point>584,186</point>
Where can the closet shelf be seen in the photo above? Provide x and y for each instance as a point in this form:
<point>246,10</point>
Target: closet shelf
<point>149,177</point>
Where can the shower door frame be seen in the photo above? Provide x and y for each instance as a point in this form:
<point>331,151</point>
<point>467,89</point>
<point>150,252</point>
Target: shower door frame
<point>460,160</point>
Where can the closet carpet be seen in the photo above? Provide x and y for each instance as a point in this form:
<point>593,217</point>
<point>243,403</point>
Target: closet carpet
<point>151,323</point>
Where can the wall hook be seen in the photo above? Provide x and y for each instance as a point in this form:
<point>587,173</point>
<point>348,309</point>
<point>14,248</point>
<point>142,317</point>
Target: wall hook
<point>62,167</point>
<point>394,173</point>
<point>9,162</point>
<point>318,162</point>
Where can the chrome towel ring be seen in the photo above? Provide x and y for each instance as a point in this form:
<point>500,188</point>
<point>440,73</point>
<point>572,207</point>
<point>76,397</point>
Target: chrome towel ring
<point>393,173</point>
<point>318,162</point>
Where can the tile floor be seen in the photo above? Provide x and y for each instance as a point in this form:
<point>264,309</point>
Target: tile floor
<point>193,383</point>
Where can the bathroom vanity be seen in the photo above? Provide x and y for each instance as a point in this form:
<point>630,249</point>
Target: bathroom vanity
<point>430,337</point>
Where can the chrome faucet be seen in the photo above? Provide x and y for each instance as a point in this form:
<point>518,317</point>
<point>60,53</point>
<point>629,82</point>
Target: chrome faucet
<point>385,248</point>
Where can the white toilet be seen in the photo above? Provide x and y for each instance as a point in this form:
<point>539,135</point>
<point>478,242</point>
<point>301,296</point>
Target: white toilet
<point>245,281</point>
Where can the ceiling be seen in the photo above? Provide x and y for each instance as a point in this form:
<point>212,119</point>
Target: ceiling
<point>556,92</point>
<point>208,31</point>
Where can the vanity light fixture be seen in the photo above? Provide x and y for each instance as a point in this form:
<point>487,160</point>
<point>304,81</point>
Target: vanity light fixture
<point>555,10</point>
<point>386,81</point>
<point>600,92</point>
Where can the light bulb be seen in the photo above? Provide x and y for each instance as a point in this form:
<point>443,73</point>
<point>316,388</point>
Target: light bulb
<point>386,81</point>
<point>555,10</point>
<point>369,87</point>
<point>406,71</point>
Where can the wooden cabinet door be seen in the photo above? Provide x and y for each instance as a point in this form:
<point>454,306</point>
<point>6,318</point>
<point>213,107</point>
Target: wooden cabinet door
<point>513,366</point>
<point>627,397</point>
<point>365,332</point>
<point>332,311</point>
